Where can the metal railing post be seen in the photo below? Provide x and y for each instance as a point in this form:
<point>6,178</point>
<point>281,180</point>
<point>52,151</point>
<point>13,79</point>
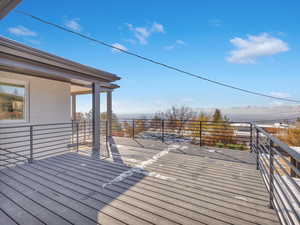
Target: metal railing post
<point>72,141</point>
<point>31,145</point>
<point>162,130</point>
<point>200,133</point>
<point>77,136</point>
<point>133,124</point>
<point>84,131</point>
<point>251,137</point>
<point>271,178</point>
<point>257,150</point>
<point>296,165</point>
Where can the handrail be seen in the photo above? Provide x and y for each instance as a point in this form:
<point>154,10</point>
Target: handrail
<point>275,161</point>
<point>285,147</point>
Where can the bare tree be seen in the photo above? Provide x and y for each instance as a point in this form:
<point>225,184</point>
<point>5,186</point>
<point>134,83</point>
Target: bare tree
<point>177,117</point>
<point>156,120</point>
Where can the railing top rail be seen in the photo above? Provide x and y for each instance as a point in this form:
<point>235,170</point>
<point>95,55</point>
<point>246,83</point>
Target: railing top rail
<point>283,146</point>
<point>35,125</point>
<point>13,126</point>
<point>196,121</point>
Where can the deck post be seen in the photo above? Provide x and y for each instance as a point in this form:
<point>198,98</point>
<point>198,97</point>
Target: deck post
<point>133,125</point>
<point>200,133</point>
<point>109,113</point>
<point>84,131</point>
<point>30,160</point>
<point>96,119</point>
<point>77,136</point>
<point>251,137</point>
<point>271,178</point>
<point>162,130</point>
<point>257,150</point>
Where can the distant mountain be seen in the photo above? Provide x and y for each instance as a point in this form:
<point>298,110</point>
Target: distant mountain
<point>242,114</point>
<point>254,113</point>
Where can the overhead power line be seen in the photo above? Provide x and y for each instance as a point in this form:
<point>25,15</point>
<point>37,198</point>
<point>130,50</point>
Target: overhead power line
<point>155,61</point>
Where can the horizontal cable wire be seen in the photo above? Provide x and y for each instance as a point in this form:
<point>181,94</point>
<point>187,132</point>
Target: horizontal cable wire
<point>155,61</point>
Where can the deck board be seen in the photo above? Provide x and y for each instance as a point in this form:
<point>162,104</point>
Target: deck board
<point>194,186</point>
<point>5,219</point>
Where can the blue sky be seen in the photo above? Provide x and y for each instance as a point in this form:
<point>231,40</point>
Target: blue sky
<point>253,44</point>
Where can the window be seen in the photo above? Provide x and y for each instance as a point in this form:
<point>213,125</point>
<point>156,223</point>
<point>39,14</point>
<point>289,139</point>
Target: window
<point>13,99</point>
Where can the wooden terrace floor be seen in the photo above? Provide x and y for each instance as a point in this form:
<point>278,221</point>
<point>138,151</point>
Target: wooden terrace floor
<point>180,184</point>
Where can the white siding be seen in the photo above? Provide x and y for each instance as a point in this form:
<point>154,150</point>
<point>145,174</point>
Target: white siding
<point>49,101</point>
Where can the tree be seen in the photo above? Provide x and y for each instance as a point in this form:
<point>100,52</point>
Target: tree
<point>156,120</point>
<point>140,126</point>
<point>202,118</point>
<point>89,115</point>
<point>182,113</point>
<point>128,129</point>
<point>79,116</point>
<point>176,118</point>
<point>222,131</point>
<point>116,125</point>
<point>103,116</point>
<point>217,116</point>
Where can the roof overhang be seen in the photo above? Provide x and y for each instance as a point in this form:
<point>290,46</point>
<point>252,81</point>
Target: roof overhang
<point>80,90</point>
<point>6,6</point>
<point>19,58</point>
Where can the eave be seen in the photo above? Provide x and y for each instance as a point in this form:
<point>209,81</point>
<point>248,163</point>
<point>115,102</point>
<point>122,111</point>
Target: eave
<point>6,6</point>
<point>28,59</point>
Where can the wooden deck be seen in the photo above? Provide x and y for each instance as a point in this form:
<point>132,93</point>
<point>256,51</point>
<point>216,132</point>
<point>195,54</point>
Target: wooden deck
<point>185,185</point>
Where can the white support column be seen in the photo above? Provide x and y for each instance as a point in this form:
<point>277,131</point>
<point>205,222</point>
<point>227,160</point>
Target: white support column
<point>73,99</point>
<point>96,120</point>
<point>109,113</point>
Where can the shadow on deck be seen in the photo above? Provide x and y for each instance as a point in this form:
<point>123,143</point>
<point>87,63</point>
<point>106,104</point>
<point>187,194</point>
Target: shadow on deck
<point>181,186</point>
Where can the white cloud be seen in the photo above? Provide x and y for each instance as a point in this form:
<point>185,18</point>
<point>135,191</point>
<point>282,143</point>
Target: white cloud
<point>280,94</point>
<point>156,27</point>
<point>253,47</point>
<point>169,47</point>
<point>21,31</point>
<point>118,45</point>
<point>130,40</point>
<point>177,44</point>
<point>215,22</point>
<point>73,24</point>
<point>180,42</point>
<point>143,33</point>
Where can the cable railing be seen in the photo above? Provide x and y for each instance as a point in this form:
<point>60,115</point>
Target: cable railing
<point>23,144</point>
<point>19,144</point>
<point>221,134</point>
<point>280,168</point>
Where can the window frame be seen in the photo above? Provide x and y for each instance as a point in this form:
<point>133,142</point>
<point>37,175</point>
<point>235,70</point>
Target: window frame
<point>26,100</point>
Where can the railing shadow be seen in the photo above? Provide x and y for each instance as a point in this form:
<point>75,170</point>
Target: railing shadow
<point>68,188</point>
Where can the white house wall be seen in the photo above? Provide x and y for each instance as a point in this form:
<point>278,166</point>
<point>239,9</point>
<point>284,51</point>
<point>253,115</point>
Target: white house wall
<point>49,100</point>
